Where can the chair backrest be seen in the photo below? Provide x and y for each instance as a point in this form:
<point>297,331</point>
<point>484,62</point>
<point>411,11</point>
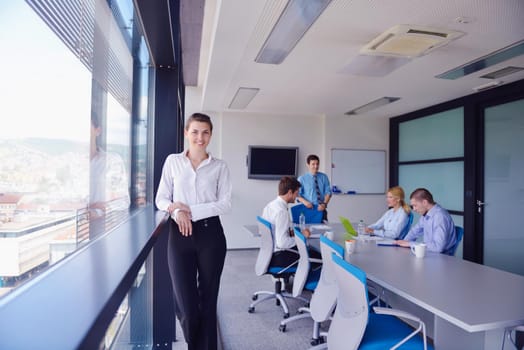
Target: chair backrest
<point>324,299</point>
<point>313,216</point>
<point>459,232</point>
<point>301,275</point>
<point>351,315</point>
<point>406,228</point>
<point>266,246</point>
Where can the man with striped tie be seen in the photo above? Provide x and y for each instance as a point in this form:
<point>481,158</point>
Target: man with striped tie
<point>315,190</point>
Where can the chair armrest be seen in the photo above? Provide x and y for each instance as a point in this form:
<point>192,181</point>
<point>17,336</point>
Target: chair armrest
<point>313,260</point>
<point>394,312</point>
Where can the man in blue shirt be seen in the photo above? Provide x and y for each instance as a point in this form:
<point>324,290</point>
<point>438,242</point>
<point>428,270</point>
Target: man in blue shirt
<point>435,224</point>
<point>315,189</point>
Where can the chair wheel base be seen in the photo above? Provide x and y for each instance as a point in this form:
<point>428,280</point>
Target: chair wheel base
<point>286,315</point>
<point>251,309</point>
<point>315,342</point>
<point>282,328</point>
<point>278,302</point>
<point>254,297</point>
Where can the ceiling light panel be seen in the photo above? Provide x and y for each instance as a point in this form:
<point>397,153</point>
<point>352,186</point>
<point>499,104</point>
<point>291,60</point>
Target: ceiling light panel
<point>294,22</point>
<point>483,62</point>
<point>243,97</point>
<point>502,72</point>
<point>373,105</point>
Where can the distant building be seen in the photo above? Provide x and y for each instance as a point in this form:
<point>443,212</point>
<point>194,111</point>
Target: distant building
<point>8,205</point>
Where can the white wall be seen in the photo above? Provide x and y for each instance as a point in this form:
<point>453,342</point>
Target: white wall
<point>238,131</point>
<point>357,132</point>
<point>312,134</point>
<point>233,132</point>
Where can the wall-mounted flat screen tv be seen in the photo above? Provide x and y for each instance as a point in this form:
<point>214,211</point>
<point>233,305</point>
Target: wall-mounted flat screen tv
<point>271,162</point>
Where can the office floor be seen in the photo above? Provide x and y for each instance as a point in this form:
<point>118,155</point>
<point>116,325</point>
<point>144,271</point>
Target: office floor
<point>240,330</point>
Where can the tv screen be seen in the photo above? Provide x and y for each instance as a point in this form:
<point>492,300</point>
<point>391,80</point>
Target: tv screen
<point>271,162</point>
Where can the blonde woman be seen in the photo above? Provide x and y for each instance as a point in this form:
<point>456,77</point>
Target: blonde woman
<point>391,224</point>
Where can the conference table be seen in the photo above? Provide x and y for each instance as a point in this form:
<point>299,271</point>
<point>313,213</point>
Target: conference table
<point>464,305</point>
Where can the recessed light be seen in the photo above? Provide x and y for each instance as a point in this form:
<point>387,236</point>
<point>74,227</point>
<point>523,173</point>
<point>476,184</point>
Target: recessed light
<point>372,105</point>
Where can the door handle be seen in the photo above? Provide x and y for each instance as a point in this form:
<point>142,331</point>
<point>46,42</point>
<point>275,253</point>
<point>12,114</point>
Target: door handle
<point>480,204</point>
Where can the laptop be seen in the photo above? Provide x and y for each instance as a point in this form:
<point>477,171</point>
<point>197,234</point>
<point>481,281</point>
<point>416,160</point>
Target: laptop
<point>347,226</point>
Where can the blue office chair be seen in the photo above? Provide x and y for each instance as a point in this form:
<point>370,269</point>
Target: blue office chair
<point>459,232</point>
<point>406,228</point>
<point>306,278</point>
<point>354,327</point>
<point>313,216</point>
<point>507,334</point>
<point>279,273</point>
<point>324,298</point>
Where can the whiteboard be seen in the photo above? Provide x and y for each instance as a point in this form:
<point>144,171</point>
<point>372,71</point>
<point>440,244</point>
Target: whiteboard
<point>358,170</point>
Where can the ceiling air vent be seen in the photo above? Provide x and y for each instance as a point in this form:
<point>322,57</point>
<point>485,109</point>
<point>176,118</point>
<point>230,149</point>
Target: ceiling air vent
<point>409,41</point>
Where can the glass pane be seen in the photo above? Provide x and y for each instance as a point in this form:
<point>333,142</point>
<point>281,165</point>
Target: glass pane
<point>141,127</point>
<point>44,146</point>
<point>437,136</point>
<point>109,186</point>
<point>445,181</point>
<point>132,325</point>
<point>504,186</point>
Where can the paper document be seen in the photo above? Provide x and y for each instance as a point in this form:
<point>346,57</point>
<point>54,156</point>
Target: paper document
<point>320,227</point>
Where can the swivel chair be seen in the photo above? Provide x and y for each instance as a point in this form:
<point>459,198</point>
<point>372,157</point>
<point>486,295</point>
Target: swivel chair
<point>459,231</point>
<point>324,298</point>
<point>313,216</point>
<point>406,228</point>
<point>354,327</point>
<point>279,273</point>
<point>507,334</point>
<point>306,278</point>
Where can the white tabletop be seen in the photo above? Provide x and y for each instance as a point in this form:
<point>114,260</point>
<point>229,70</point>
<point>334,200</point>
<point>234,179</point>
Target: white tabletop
<point>474,297</point>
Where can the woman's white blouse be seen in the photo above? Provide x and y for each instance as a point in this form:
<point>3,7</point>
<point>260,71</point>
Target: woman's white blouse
<point>206,190</point>
<point>391,223</point>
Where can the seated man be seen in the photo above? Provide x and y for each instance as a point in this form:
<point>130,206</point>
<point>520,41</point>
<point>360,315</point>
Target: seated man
<point>276,212</point>
<point>435,224</point>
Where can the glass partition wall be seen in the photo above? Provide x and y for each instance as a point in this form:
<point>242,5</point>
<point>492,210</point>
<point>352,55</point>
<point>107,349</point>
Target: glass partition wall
<point>467,153</point>
<point>431,155</point>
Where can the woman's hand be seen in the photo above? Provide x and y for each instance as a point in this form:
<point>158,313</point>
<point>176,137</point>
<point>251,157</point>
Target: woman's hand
<point>183,219</point>
<point>369,230</point>
<point>178,205</point>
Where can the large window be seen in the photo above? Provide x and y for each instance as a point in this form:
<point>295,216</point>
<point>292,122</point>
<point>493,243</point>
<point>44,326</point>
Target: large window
<point>73,138</point>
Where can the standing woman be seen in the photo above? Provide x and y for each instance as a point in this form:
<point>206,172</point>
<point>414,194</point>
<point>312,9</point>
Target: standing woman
<point>195,188</point>
<point>394,220</point>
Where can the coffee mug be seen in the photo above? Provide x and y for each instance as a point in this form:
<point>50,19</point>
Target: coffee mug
<point>329,235</point>
<point>419,249</point>
<point>350,246</point>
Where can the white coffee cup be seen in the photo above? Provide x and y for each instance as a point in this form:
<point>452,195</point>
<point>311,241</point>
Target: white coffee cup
<point>419,249</point>
<point>329,235</point>
<point>350,246</point>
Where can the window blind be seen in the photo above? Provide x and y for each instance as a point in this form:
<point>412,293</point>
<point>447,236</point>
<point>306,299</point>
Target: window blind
<point>89,30</point>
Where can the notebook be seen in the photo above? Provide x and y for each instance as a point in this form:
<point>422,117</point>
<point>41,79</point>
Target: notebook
<point>347,226</point>
<point>387,242</point>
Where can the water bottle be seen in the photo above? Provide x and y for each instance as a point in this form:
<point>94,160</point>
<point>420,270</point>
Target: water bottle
<point>302,222</point>
<point>361,228</point>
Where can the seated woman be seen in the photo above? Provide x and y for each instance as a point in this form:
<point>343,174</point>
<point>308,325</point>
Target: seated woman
<point>391,224</point>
